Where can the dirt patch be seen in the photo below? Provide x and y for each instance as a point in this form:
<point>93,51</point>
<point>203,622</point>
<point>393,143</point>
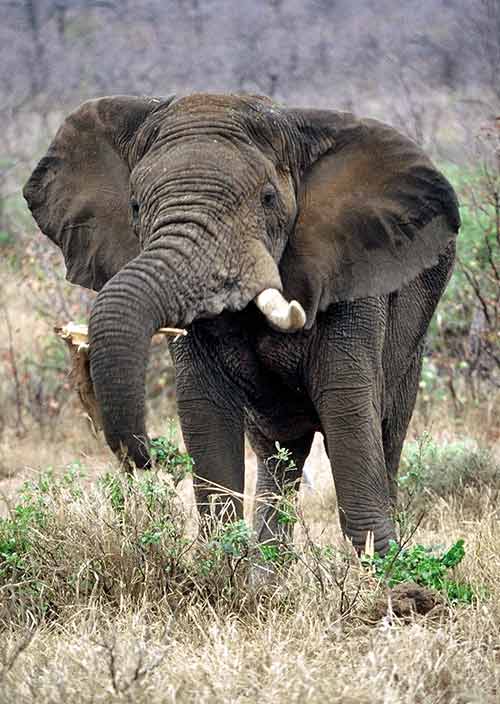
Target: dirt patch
<point>406,600</point>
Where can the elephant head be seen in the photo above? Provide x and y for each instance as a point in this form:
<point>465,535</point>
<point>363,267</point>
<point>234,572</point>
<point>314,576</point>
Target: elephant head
<point>175,210</point>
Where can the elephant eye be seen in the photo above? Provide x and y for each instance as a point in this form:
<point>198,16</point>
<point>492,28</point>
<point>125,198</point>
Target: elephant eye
<point>134,206</point>
<point>268,196</point>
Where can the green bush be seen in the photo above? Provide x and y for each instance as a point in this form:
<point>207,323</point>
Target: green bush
<point>446,469</point>
<point>463,335</point>
<point>30,515</point>
<point>166,455</point>
<point>477,238</point>
<point>420,565</point>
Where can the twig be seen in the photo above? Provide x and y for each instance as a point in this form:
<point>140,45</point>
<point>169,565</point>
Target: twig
<point>472,281</point>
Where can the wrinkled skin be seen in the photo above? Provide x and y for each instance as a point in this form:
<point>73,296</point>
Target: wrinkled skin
<point>199,211</point>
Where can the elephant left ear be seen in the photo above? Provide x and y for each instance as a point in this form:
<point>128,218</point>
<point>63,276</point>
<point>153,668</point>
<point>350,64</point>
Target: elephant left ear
<point>373,211</point>
<point>79,192</point>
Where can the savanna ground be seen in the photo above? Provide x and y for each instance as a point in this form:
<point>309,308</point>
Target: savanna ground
<point>110,591</point>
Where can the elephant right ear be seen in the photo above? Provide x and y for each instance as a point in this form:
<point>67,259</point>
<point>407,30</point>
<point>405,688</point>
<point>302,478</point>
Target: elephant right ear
<point>79,192</point>
<point>374,212</point>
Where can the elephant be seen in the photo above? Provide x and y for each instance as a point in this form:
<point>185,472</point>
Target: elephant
<point>305,251</point>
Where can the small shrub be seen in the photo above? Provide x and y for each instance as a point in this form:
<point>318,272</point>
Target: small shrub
<point>31,514</point>
<point>427,467</point>
<point>419,564</point>
<point>281,465</point>
<point>165,453</point>
<point>113,487</point>
<point>122,543</point>
<point>227,547</point>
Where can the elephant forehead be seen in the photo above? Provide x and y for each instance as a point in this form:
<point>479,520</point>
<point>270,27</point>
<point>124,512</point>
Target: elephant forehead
<point>200,151</point>
<point>201,158</point>
<point>217,102</point>
<point>246,120</point>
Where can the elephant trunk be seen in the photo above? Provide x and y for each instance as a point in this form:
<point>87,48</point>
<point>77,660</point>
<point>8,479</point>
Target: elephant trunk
<point>124,318</point>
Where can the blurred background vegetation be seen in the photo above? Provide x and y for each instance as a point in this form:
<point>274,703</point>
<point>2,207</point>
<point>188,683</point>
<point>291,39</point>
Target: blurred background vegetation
<point>430,68</point>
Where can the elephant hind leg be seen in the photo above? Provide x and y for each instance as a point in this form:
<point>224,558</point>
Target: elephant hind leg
<point>274,478</point>
<point>395,423</point>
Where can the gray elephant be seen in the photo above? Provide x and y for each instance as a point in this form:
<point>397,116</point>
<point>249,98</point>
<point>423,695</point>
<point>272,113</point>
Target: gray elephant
<point>245,221</point>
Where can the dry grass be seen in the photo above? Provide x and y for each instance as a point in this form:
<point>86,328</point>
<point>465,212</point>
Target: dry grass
<point>306,656</point>
<point>118,626</point>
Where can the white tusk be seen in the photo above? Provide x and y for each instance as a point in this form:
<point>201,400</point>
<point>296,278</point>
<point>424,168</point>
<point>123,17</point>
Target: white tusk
<point>282,315</point>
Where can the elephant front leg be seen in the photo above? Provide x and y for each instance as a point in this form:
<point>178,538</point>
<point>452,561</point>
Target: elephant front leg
<point>347,395</point>
<point>351,425</point>
<point>211,414</point>
<point>397,420</point>
<point>346,384</point>
<point>214,438</point>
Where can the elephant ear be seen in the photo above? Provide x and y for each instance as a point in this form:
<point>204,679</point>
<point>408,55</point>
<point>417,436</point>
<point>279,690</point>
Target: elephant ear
<point>79,192</point>
<point>373,212</point>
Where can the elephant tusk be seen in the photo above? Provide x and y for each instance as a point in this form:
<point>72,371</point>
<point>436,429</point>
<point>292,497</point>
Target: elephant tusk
<point>282,315</point>
<point>172,332</point>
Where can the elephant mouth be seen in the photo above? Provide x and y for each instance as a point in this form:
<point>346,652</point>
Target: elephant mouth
<point>282,315</point>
